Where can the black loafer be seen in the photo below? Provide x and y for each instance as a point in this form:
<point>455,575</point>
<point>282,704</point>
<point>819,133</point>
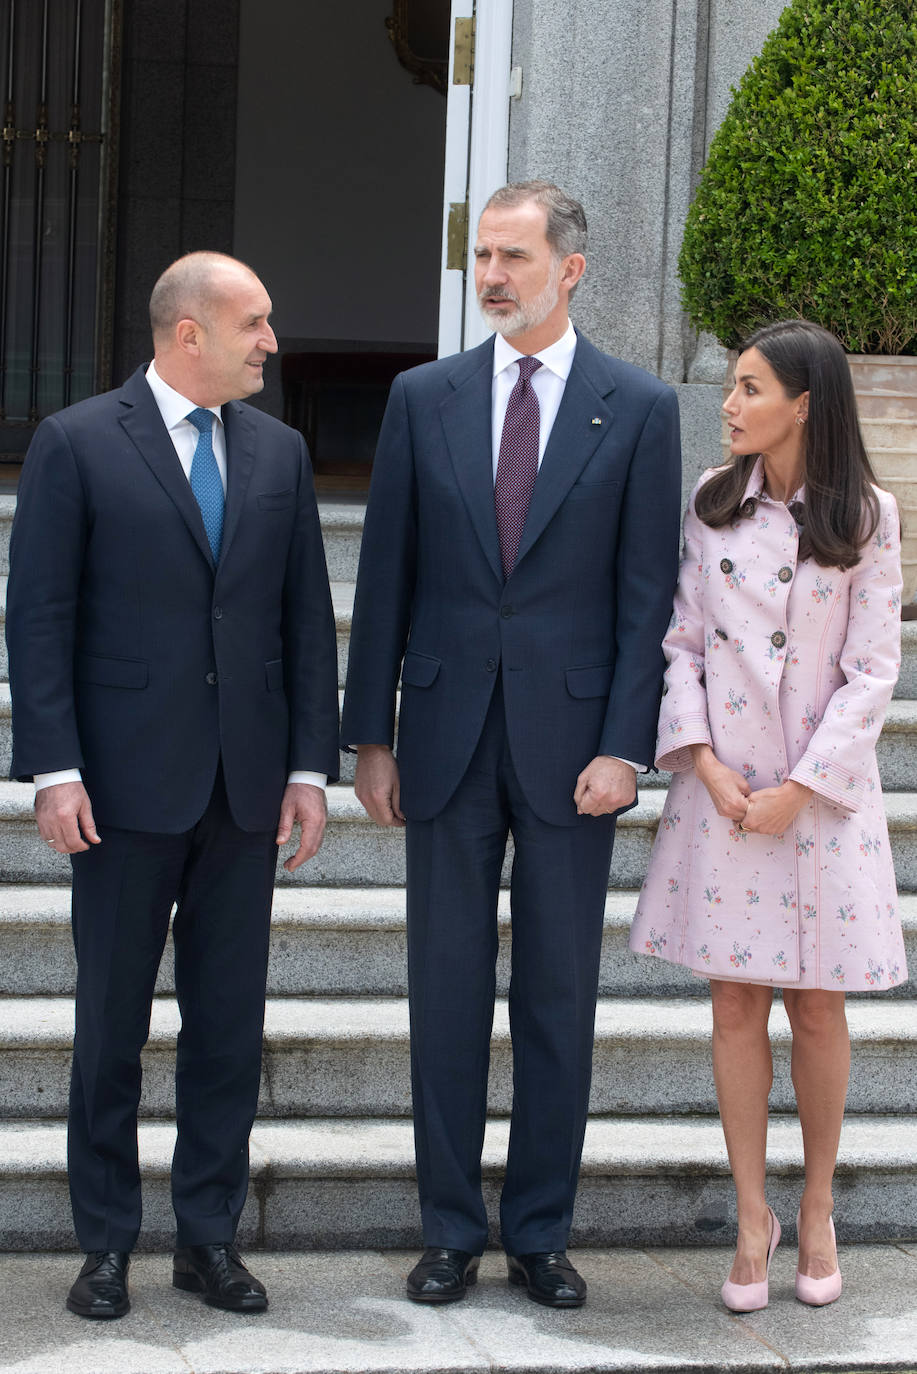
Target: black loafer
<point>101,1289</point>
<point>217,1271</point>
<point>549,1277</point>
<point>442,1275</point>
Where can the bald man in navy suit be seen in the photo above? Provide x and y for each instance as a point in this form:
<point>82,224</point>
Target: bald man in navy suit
<point>517,571</point>
<point>174,682</point>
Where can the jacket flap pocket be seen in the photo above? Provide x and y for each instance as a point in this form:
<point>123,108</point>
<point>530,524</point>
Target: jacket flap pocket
<point>276,500</point>
<point>112,672</point>
<point>589,682</point>
<point>419,670</point>
<point>273,671</point>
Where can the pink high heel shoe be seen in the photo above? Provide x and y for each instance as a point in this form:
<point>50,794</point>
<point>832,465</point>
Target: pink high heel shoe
<point>819,1292</point>
<point>751,1297</point>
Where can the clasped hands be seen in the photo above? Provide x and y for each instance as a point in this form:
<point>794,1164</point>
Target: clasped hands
<point>769,811</point>
<point>605,785</point>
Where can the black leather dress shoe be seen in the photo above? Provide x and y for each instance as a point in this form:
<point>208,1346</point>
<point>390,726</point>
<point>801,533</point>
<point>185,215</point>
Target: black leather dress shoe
<point>217,1271</point>
<point>442,1275</point>
<point>101,1289</point>
<point>550,1278</point>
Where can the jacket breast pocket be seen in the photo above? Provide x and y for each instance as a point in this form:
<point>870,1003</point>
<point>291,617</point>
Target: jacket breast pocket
<point>273,671</point>
<point>131,673</point>
<point>419,670</point>
<point>276,500</point>
<point>594,491</point>
<point>589,682</point>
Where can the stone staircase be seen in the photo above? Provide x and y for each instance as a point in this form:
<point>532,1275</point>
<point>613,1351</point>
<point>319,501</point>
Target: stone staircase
<point>332,1159</point>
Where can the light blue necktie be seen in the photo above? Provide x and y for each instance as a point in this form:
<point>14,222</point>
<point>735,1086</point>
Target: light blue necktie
<point>205,479</point>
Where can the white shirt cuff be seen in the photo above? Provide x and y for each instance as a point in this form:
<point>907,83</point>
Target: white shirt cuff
<point>313,779</point>
<point>52,779</point>
<point>637,767</point>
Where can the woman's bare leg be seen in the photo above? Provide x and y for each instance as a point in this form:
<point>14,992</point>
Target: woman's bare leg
<point>743,1072</point>
<point>821,1070</point>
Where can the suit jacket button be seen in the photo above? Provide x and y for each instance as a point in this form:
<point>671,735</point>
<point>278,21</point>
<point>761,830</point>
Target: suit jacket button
<point>211,679</point>
<point>721,634</point>
<point>778,639</point>
<point>726,565</point>
<point>491,665</point>
<point>507,612</point>
<point>218,612</point>
<point>785,574</point>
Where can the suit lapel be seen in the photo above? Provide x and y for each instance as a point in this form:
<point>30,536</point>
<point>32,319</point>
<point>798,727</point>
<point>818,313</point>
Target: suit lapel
<point>240,463</point>
<point>143,423</point>
<point>573,440</point>
<point>466,419</point>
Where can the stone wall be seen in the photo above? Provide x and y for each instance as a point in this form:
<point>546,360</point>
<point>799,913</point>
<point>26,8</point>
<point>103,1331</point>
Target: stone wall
<point>620,99</point>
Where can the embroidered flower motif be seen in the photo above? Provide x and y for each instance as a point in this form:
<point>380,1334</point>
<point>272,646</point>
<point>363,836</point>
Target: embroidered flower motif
<point>821,591</point>
<point>656,943</point>
<point>863,598</point>
<point>788,901</point>
<point>833,846</point>
<point>780,961</point>
<point>894,601</point>
<point>751,896</point>
<point>875,973</point>
<point>672,886</point>
<point>736,704</point>
<point>846,913</point>
<point>808,912</point>
<point>868,720</point>
<point>863,665</point>
<point>735,579</point>
<point>712,895</point>
<point>704,827</point>
<point>837,973</point>
<point>804,845</point>
<point>670,820</point>
<point>704,953</point>
<point>867,844</point>
<point>809,719</point>
<point>739,957</point>
<point>748,772</point>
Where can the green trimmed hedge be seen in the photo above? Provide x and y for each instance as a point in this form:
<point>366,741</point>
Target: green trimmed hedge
<point>807,205</point>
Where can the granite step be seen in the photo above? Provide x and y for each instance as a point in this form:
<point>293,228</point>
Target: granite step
<point>339,942</point>
<point>356,852</point>
<point>351,1184</point>
<point>346,1057</point>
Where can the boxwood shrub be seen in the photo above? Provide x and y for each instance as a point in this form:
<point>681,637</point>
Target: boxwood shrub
<point>807,205</point>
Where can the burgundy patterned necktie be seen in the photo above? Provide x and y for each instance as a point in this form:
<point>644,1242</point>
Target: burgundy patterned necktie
<point>517,467</point>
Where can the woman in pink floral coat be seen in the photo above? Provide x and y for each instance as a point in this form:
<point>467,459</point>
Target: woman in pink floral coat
<point>772,864</point>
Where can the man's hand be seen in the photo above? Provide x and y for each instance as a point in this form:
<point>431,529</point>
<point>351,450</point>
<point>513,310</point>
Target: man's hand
<point>377,785</point>
<point>605,785</point>
<point>64,817</point>
<point>774,809</point>
<point>308,805</point>
<point>728,789</point>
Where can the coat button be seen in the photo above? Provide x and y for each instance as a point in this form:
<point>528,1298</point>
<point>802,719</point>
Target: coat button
<point>726,565</point>
<point>211,679</point>
<point>748,507</point>
<point>721,634</point>
<point>218,612</point>
<point>785,574</point>
<point>507,612</point>
<point>491,665</point>
<point>778,639</point>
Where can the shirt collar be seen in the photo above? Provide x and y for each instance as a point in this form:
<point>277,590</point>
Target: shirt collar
<point>756,490</point>
<point>173,407</point>
<point>557,357</point>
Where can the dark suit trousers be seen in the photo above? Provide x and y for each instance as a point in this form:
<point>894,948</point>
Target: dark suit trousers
<point>123,890</point>
<point>559,883</point>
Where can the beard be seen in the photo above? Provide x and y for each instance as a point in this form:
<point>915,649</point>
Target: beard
<point>524,317</point>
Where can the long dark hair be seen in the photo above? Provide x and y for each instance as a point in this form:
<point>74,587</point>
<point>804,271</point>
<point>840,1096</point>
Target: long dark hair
<point>841,510</point>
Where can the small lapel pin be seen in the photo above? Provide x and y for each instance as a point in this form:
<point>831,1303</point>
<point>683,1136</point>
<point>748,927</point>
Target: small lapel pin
<point>596,420</point>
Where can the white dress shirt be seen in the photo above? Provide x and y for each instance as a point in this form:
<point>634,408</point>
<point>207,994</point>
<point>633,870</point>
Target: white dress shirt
<point>549,382</point>
<point>174,409</point>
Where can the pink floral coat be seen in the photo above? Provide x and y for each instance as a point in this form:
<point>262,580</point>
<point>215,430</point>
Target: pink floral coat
<point>786,669</point>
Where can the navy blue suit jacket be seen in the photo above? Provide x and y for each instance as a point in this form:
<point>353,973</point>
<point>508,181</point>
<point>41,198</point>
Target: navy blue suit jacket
<point>578,626</point>
<point>131,656</point>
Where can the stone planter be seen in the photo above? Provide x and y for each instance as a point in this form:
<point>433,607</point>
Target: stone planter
<point>886,392</point>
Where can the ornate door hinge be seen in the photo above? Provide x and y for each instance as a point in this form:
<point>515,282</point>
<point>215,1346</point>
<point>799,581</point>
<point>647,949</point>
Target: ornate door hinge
<point>463,66</point>
<point>457,235</point>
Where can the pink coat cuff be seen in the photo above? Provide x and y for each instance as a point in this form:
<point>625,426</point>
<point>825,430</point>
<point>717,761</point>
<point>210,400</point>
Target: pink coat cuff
<point>835,784</point>
<point>676,735</point>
